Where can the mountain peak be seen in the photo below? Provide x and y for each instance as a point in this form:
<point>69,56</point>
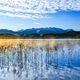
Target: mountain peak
<point>50,30</point>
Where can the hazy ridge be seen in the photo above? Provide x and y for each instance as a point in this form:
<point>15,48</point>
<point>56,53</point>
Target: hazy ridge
<point>43,33</point>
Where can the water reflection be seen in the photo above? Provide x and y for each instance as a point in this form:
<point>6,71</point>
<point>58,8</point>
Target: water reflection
<point>39,59</point>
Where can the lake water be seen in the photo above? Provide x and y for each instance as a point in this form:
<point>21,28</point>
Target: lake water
<point>39,59</point>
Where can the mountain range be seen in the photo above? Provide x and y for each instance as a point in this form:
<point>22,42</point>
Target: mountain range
<point>41,33</point>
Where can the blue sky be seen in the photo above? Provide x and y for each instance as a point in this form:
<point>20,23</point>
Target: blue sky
<point>24,14</point>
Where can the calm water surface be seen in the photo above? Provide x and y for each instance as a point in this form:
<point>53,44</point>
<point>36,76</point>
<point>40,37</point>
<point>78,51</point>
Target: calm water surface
<point>39,59</point>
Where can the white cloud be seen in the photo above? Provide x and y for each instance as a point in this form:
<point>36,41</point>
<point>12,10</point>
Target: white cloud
<point>35,8</point>
<point>37,23</point>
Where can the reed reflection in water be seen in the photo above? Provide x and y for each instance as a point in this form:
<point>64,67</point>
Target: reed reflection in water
<point>39,59</point>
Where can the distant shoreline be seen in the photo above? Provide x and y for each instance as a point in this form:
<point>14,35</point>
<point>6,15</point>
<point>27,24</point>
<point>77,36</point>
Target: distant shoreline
<point>38,36</point>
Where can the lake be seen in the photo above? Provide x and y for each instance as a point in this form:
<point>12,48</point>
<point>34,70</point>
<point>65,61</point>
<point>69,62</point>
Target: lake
<point>39,59</point>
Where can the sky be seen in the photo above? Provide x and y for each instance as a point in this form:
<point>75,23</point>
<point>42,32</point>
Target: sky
<point>25,14</point>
